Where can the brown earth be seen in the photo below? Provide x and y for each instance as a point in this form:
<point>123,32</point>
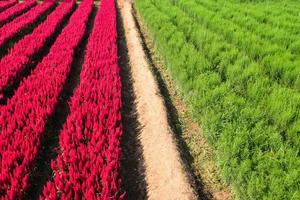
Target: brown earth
<point>165,175</point>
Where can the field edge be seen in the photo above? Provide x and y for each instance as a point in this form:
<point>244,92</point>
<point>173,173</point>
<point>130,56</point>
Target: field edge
<point>209,181</point>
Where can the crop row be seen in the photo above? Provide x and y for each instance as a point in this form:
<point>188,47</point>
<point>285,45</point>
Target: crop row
<point>87,166</point>
<point>15,11</point>
<point>283,15</point>
<point>22,120</point>
<point>279,64</point>
<point>266,15</point>
<point>245,98</point>
<point>285,38</point>
<point>7,4</point>
<point>18,24</point>
<point>24,50</point>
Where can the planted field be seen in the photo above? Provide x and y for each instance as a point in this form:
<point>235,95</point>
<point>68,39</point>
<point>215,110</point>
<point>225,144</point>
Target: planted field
<point>6,4</point>
<point>34,73</point>
<point>15,11</point>
<point>86,113</point>
<point>237,65</point>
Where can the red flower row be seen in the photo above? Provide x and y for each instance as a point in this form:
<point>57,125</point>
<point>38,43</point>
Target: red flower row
<point>20,55</point>
<point>88,163</point>
<point>22,120</point>
<point>16,10</point>
<point>14,27</point>
<point>6,4</point>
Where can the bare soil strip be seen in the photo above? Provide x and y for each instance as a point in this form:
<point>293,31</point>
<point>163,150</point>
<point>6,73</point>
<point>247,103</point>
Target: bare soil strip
<point>132,170</point>
<point>165,174</point>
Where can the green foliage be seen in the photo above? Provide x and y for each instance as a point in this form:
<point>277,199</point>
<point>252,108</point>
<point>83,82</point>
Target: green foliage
<point>238,68</point>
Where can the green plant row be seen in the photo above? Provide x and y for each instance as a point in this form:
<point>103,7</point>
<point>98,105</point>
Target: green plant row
<point>252,121</point>
<point>275,8</point>
<point>281,65</point>
<point>286,39</point>
<point>277,17</point>
<point>212,45</point>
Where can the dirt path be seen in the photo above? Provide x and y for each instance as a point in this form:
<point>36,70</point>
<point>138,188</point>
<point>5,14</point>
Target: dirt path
<point>164,172</point>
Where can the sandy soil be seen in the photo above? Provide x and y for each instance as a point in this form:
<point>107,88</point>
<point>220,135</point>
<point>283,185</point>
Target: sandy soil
<point>164,172</point>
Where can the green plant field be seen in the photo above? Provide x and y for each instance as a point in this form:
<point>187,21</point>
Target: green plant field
<point>237,63</point>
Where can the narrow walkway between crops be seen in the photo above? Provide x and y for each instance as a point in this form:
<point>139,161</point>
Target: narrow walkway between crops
<point>132,169</point>
<point>50,142</point>
<point>164,170</point>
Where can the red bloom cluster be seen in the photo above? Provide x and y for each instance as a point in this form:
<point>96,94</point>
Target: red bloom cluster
<point>22,120</point>
<point>16,10</point>
<point>10,29</point>
<point>22,52</point>
<point>88,164</point>
<point>6,4</point>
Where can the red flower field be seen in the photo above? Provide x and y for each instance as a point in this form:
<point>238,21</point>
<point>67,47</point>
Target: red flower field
<point>88,161</point>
